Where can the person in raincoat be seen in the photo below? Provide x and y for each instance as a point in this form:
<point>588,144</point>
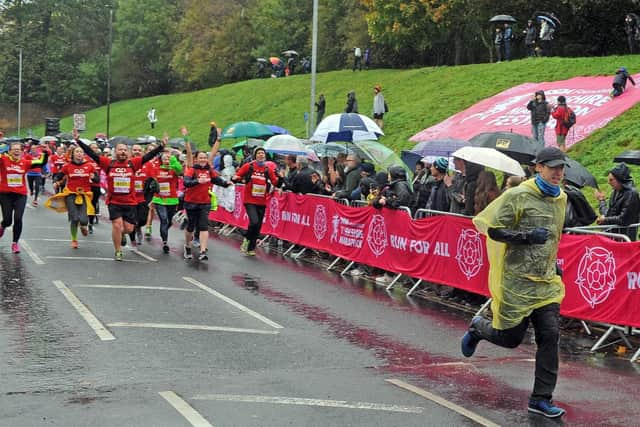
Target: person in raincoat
<point>620,81</point>
<point>523,229</point>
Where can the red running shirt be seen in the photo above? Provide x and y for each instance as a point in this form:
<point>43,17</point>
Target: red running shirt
<point>12,174</point>
<point>78,176</point>
<point>199,193</point>
<point>255,190</point>
<point>121,180</point>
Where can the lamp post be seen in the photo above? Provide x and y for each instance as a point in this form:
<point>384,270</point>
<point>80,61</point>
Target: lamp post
<point>109,69</point>
<point>20,91</point>
<point>314,54</point>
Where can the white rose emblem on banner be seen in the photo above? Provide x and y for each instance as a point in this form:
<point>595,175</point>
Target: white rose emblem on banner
<point>274,212</point>
<point>320,222</point>
<point>469,253</point>
<point>237,207</point>
<point>377,236</point>
<point>596,276</point>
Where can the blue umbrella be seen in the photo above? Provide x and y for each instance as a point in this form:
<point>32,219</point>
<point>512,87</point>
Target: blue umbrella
<point>346,127</point>
<point>439,147</point>
<point>277,130</point>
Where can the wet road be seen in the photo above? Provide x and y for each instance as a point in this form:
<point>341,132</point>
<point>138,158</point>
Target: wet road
<point>265,341</point>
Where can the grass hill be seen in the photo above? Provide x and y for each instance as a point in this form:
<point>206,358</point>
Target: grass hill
<point>417,98</point>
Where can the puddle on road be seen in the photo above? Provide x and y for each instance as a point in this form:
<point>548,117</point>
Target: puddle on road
<point>250,283</point>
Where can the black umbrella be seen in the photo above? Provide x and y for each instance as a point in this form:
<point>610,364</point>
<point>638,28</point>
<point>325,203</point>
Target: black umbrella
<point>65,136</point>
<point>180,144</point>
<point>631,157</point>
<point>579,175</point>
<point>120,140</point>
<point>503,19</point>
<point>146,139</point>
<point>31,140</point>
<point>288,53</point>
<point>519,147</point>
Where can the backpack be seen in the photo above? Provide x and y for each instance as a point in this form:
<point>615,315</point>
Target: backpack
<point>569,118</point>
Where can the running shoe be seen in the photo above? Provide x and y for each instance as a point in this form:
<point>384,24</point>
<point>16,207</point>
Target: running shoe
<point>251,253</point>
<point>203,256</point>
<point>74,244</point>
<point>84,230</point>
<point>90,229</point>
<point>119,256</point>
<point>195,242</point>
<point>1,231</point>
<point>15,248</point>
<point>244,246</point>
<point>147,233</point>
<point>165,247</point>
<point>545,407</point>
<point>187,253</point>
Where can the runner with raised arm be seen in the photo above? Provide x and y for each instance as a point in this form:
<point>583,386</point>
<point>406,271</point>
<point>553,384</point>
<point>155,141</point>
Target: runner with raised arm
<point>121,195</point>
<point>13,189</point>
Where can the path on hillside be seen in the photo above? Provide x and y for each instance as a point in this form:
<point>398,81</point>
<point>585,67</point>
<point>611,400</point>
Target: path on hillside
<point>264,341</point>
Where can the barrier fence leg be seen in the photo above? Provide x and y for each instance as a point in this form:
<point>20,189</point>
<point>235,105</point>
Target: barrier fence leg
<point>636,356</point>
<point>393,282</point>
<point>483,308</point>
<point>347,268</point>
<point>222,229</point>
<point>231,231</point>
<point>600,343</point>
<point>299,254</point>
<point>264,241</point>
<point>289,250</point>
<point>415,286</point>
<point>335,261</point>
<point>586,327</point>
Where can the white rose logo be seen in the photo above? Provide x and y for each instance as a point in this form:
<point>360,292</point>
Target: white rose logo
<point>237,206</point>
<point>320,222</point>
<point>274,212</point>
<point>469,253</point>
<point>377,236</point>
<point>596,276</point>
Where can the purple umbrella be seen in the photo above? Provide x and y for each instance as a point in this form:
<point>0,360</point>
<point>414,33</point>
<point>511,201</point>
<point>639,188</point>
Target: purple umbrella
<point>439,147</point>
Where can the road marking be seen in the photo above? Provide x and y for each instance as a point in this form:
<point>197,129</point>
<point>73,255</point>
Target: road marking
<point>191,327</point>
<point>49,227</point>
<point>102,332</point>
<point>143,255</point>
<point>184,409</point>
<point>32,254</point>
<point>89,258</point>
<point>157,288</point>
<point>443,402</point>
<point>102,242</point>
<point>278,400</point>
<point>233,303</point>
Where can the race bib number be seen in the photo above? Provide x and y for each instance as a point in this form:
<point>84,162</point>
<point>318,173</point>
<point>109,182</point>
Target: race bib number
<point>165,189</point>
<point>121,184</point>
<point>139,186</point>
<point>14,180</point>
<point>258,190</point>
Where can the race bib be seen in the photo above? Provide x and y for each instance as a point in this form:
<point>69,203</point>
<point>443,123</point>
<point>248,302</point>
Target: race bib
<point>258,190</point>
<point>121,184</point>
<point>14,180</point>
<point>139,186</point>
<point>165,189</point>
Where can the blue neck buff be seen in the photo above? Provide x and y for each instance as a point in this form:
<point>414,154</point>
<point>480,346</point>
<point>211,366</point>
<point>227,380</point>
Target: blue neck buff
<point>261,164</point>
<point>547,188</point>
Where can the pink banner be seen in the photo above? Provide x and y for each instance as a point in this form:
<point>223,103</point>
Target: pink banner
<point>602,277</point>
<point>507,111</point>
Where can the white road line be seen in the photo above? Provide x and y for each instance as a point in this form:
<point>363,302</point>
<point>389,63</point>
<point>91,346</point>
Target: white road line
<point>233,303</point>
<point>190,327</point>
<point>101,242</point>
<point>32,254</point>
<point>49,227</point>
<point>155,288</point>
<point>89,258</point>
<point>143,255</point>
<point>278,400</point>
<point>184,409</point>
<point>102,332</point>
<point>443,402</point>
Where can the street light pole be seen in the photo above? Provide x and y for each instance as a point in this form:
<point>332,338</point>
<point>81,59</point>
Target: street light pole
<point>314,62</point>
<point>19,91</point>
<point>109,70</point>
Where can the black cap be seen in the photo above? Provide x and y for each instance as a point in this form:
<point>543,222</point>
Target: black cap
<point>551,156</point>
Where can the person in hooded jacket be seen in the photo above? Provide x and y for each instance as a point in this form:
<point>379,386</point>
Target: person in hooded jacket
<point>632,30</point>
<point>561,113</point>
<point>540,113</point>
<point>352,103</point>
<point>397,193</point>
<point>620,82</point>
<point>624,203</point>
<point>439,196</point>
<point>530,34</point>
<point>579,212</point>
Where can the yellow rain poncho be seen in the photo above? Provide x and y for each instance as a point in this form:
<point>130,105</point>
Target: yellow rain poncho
<point>57,201</point>
<point>522,277</point>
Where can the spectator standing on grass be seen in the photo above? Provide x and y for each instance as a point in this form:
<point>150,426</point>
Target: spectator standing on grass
<point>498,42</point>
<point>561,113</point>
<point>624,203</point>
<point>352,103</point>
<point>508,38</point>
<point>540,113</point>
<point>367,58</point>
<point>357,59</point>
<point>633,33</point>
<point>530,38</point>
<point>378,106</point>
<point>546,36</point>
<point>153,118</point>
<point>321,106</point>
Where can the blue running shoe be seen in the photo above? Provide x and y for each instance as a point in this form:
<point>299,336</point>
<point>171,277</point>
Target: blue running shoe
<point>545,407</point>
<point>469,340</point>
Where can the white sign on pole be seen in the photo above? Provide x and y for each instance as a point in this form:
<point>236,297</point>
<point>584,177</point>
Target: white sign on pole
<point>80,122</point>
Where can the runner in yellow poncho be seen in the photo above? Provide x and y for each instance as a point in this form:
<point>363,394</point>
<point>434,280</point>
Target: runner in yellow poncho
<point>76,197</point>
<point>523,229</point>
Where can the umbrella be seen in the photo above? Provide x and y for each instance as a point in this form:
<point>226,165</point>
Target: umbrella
<point>347,127</point>
<point>179,143</point>
<point>311,155</point>
<point>410,158</point>
<point>249,142</point>
<point>290,53</point>
<point>277,130</point>
<point>549,17</point>
<point>245,130</point>
<point>519,147</point>
<point>501,19</point>
<point>330,149</point>
<point>631,157</point>
<point>64,136</point>
<point>120,140</point>
<point>285,144</point>
<point>47,139</point>
<point>32,139</point>
<point>275,60</point>
<point>439,147</point>
<point>579,175</point>
<point>490,157</point>
<point>262,60</point>
<point>146,139</point>
<point>380,155</point>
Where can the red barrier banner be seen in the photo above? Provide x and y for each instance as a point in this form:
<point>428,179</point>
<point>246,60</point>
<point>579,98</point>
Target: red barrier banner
<point>602,277</point>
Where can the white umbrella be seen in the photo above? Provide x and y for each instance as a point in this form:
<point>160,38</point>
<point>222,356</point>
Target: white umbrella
<point>346,127</point>
<point>285,144</point>
<point>490,157</point>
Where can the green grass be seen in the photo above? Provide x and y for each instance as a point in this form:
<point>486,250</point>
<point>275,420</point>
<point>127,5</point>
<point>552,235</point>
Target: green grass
<point>417,98</point>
